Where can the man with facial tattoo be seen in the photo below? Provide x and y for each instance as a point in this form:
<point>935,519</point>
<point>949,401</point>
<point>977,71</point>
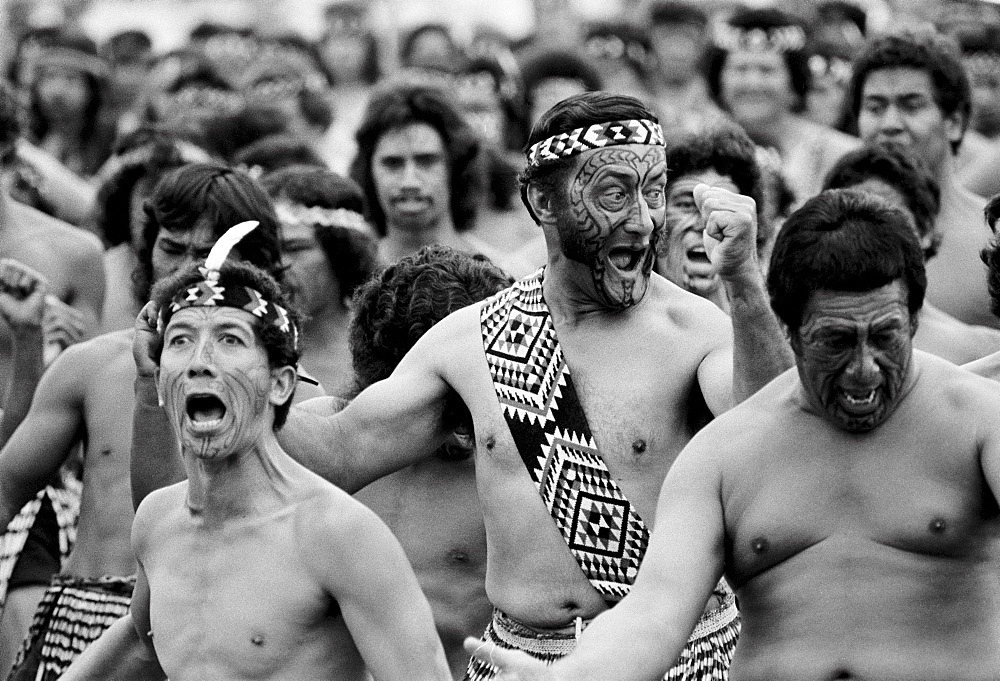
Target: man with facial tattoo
<point>87,396</point>
<point>568,467</point>
<point>254,567</point>
<point>852,504</point>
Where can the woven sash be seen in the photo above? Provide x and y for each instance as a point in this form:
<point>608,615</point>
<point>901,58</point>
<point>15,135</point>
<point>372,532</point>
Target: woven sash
<point>533,384</point>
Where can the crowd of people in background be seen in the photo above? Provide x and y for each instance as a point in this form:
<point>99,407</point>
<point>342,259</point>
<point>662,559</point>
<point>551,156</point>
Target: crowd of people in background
<point>394,184</point>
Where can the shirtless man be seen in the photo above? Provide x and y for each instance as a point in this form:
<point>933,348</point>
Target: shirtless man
<point>86,395</point>
<point>330,251</point>
<point>890,171</point>
<point>255,567</point>
<point>432,506</point>
<point>911,88</point>
<point>418,165</point>
<point>644,355</point>
<point>69,259</point>
<point>851,503</point>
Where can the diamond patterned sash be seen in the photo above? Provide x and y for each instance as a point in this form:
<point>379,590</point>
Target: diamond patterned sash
<point>539,401</point>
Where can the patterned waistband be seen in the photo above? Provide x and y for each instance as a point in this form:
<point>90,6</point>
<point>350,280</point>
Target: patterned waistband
<point>110,584</point>
<point>562,640</point>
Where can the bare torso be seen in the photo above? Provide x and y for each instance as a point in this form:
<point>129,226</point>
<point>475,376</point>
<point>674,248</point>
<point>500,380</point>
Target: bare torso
<point>869,556</point>
<point>433,509</point>
<point>69,259</point>
<point>102,545</point>
<point>956,276</point>
<point>636,375</point>
<point>238,601</point>
<point>945,336</point>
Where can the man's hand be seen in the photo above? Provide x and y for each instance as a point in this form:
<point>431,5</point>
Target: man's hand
<point>22,296</point>
<point>63,324</point>
<point>145,339</point>
<point>514,665</point>
<point>730,230</point>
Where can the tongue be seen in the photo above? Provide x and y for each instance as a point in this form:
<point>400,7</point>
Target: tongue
<point>621,259</point>
<point>207,413</point>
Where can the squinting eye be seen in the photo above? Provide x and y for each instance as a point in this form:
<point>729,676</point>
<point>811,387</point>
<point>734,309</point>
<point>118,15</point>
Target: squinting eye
<point>654,197</point>
<point>176,341</point>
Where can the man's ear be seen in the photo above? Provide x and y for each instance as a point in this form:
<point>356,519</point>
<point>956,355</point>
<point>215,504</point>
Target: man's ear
<point>955,126</point>
<point>282,384</point>
<point>541,203</point>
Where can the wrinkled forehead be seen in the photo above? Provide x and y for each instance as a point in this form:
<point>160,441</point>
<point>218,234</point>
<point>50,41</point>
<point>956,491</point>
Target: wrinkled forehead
<point>827,307</point>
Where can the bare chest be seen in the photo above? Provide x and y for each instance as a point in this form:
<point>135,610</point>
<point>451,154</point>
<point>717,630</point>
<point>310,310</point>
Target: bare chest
<point>923,498</point>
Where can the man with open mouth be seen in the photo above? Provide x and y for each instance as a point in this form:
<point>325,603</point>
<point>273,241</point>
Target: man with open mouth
<point>254,567</point>
<point>568,466</point>
<point>852,504</point>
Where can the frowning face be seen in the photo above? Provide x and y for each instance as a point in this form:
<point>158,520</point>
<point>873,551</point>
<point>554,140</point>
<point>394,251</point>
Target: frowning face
<point>614,218</point>
<point>853,352</point>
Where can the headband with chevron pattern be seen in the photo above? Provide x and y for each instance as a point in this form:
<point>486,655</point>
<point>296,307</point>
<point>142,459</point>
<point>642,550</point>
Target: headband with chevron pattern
<point>596,136</point>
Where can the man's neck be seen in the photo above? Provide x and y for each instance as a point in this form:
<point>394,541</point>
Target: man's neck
<point>400,242</point>
<point>771,132</point>
<point>571,293</point>
<point>243,484</point>
<point>953,194</point>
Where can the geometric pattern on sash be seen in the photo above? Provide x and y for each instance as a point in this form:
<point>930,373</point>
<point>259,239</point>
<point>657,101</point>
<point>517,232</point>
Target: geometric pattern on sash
<point>543,411</point>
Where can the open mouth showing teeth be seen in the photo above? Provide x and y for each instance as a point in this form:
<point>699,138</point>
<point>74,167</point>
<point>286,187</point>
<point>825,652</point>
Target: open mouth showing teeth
<point>863,401</point>
<point>699,256</point>
<point>625,258</point>
<point>205,410</point>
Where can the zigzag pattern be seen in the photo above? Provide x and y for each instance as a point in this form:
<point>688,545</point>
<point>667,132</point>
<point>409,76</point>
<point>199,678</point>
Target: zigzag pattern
<point>596,136</point>
<point>535,390</point>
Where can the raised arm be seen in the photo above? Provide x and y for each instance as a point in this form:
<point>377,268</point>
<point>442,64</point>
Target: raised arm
<point>642,636</point>
<point>22,306</point>
<point>387,614</point>
<point>41,443</point>
<point>760,351</point>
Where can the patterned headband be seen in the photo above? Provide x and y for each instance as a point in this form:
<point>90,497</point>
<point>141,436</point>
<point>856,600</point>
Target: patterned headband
<point>778,39</point>
<point>596,136</point>
<point>210,293</point>
<point>69,58</point>
<point>297,214</point>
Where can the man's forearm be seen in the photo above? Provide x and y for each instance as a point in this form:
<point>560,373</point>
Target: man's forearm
<point>760,349</point>
<point>118,654</point>
<point>26,370</point>
<point>156,460</point>
<point>297,437</point>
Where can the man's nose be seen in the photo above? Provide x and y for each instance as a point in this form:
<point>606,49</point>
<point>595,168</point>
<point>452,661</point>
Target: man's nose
<point>643,221</point>
<point>863,367</point>
<point>410,176</point>
<point>891,121</point>
<point>202,360</point>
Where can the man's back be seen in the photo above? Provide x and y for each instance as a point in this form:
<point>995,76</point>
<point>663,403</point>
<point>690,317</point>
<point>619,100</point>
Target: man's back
<point>867,555</point>
<point>635,372</point>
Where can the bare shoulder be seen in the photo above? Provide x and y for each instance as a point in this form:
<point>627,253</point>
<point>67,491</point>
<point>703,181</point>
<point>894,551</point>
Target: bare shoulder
<point>157,512</point>
<point>332,527</point>
<point>684,309</point>
<point>59,234</point>
<point>764,415</point>
<point>955,387</point>
<point>452,338</point>
<point>96,353</point>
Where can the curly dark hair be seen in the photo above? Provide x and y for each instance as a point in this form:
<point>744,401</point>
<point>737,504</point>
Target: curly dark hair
<point>991,254</point>
<point>282,348</point>
<point>937,55</point>
<point>222,196</point>
<point>352,254</point>
<point>148,153</point>
<point>843,240</point>
<point>578,111</point>
<point>797,60</point>
<point>727,150</point>
<point>395,308</point>
<point>404,104</point>
<point>895,165</point>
